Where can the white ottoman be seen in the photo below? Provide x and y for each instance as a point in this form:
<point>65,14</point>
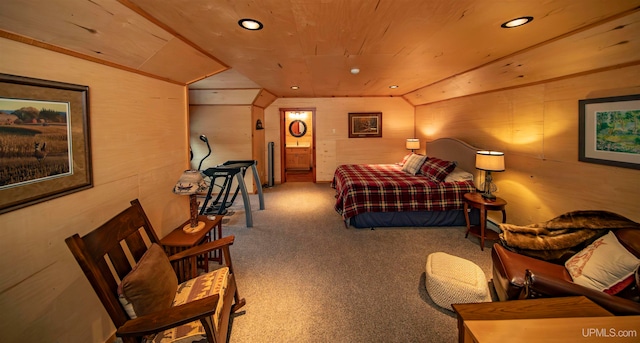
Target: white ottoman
<point>454,280</point>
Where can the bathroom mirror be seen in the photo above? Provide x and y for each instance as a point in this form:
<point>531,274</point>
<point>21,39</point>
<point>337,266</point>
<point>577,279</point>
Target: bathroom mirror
<point>297,128</point>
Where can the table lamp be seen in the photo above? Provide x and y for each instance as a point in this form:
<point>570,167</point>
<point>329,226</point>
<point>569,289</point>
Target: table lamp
<point>489,161</point>
<point>190,183</point>
<point>413,144</point>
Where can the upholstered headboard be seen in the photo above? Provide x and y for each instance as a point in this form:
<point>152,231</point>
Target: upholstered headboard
<point>452,149</point>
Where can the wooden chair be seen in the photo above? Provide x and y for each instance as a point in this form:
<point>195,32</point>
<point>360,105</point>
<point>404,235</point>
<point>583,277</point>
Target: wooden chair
<point>114,250</point>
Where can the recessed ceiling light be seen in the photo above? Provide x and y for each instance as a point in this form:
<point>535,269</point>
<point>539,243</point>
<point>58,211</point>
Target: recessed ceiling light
<point>393,86</point>
<point>355,71</point>
<point>250,24</point>
<point>516,22</point>
<point>295,87</point>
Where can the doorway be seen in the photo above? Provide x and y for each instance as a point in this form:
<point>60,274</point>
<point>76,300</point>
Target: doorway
<point>298,144</point>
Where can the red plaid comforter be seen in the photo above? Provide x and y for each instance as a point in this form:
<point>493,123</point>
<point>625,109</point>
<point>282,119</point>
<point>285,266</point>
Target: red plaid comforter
<point>364,188</point>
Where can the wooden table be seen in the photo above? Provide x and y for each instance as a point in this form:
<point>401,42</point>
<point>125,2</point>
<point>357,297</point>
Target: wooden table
<point>558,330</point>
<point>477,201</point>
<point>178,240</point>
<point>473,317</point>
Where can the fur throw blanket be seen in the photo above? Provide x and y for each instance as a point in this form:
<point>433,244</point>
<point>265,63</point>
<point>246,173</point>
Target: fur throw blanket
<point>552,239</point>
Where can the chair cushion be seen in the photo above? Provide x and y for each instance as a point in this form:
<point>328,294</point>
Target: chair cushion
<point>603,264</point>
<point>214,282</point>
<point>150,286</point>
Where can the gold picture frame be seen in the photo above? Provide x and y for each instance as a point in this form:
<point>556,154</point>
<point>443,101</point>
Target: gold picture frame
<point>44,141</point>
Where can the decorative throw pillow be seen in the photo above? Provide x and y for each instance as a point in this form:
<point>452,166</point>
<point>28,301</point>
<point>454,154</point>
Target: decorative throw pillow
<point>458,175</point>
<point>437,169</point>
<point>150,286</point>
<point>413,164</point>
<point>404,159</point>
<point>603,265</point>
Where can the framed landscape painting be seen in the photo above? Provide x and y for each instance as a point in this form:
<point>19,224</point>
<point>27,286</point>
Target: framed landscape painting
<point>44,141</point>
<point>610,131</point>
<point>365,125</point>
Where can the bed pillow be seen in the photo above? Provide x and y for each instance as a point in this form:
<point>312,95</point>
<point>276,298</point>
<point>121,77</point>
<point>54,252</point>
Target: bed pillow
<point>437,169</point>
<point>413,164</point>
<point>604,265</point>
<point>458,174</point>
<point>404,159</point>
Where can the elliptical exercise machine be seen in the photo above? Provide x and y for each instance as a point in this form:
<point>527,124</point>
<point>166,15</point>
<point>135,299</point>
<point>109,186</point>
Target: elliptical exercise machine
<point>227,171</point>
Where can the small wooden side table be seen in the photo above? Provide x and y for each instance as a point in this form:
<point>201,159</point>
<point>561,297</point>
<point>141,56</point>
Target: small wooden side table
<point>514,310</point>
<point>477,201</point>
<point>178,240</point>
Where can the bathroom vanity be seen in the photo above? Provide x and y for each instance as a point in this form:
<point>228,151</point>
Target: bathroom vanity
<point>298,157</point>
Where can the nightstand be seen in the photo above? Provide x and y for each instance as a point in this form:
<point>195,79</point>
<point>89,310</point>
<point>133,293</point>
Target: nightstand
<point>476,200</point>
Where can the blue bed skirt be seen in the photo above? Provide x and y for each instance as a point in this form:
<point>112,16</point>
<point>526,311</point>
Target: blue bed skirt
<point>414,219</point>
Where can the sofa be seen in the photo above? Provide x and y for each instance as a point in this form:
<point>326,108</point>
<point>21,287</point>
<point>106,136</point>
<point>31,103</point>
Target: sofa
<point>517,276</point>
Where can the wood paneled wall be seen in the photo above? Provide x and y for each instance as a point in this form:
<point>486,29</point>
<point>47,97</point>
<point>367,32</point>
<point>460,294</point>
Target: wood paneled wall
<point>229,130</point>
<point>222,96</point>
<point>139,145</point>
<point>537,128</point>
<point>258,145</point>
<point>333,145</point>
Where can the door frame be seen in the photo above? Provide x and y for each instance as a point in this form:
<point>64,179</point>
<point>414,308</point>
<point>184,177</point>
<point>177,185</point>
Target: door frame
<point>283,139</point>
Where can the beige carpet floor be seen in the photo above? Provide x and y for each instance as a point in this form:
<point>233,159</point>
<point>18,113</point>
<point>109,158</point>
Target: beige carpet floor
<point>308,278</point>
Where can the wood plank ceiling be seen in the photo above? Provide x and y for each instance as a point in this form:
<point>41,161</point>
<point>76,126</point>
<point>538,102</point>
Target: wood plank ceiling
<point>426,47</point>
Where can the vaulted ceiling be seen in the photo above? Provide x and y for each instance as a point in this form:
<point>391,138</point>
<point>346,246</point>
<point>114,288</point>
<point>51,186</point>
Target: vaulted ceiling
<point>426,47</point>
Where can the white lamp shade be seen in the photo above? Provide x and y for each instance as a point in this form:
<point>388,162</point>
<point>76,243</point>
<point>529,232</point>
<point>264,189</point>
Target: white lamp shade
<point>413,143</point>
<point>490,160</point>
<point>190,182</point>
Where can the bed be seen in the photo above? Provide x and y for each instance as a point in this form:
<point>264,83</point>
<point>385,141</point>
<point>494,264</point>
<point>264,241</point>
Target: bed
<point>388,195</point>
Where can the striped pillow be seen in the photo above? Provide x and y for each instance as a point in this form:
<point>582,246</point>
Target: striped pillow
<point>413,164</point>
<point>437,169</point>
<point>404,159</point>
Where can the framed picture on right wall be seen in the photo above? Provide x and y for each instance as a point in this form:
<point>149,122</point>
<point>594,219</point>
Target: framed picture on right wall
<point>610,131</point>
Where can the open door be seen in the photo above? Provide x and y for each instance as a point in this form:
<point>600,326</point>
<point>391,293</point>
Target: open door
<point>298,145</point>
